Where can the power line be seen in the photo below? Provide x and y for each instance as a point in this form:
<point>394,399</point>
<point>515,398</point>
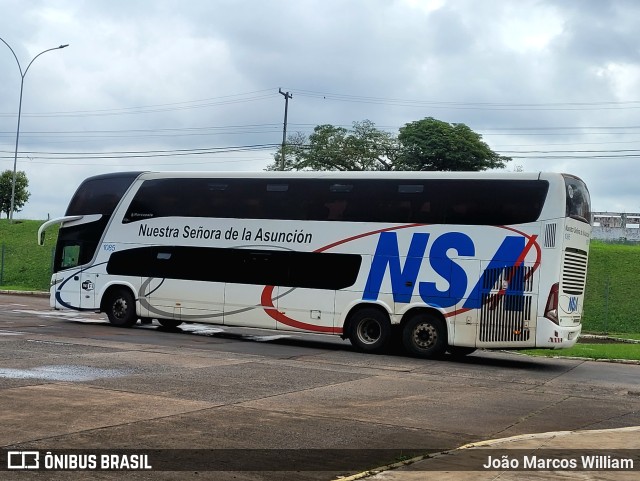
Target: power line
<point>125,154</point>
<point>262,94</point>
<point>187,105</point>
<point>143,153</point>
<point>606,105</point>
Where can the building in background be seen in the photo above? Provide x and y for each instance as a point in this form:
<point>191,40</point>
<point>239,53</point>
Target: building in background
<point>616,226</point>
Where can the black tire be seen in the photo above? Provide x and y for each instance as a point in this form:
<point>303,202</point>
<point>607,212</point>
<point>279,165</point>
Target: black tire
<point>425,336</point>
<point>121,308</point>
<point>369,330</point>
<point>460,351</point>
<point>169,323</point>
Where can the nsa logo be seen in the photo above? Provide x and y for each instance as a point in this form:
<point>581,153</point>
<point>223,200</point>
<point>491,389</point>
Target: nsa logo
<point>573,304</point>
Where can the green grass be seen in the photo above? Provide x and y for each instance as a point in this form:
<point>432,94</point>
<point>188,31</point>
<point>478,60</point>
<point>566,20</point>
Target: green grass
<point>613,280</point>
<point>593,351</point>
<point>26,266</point>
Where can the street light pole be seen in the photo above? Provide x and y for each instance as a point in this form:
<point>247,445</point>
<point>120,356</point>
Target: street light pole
<point>15,157</point>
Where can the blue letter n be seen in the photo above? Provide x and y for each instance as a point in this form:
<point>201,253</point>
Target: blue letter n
<point>402,280</point>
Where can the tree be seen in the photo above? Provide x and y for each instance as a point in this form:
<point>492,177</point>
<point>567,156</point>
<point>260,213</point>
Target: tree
<point>431,144</point>
<point>21,193</point>
<point>364,147</point>
<point>426,144</point>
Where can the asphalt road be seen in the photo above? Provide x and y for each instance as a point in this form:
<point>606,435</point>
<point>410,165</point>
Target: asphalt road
<point>71,381</point>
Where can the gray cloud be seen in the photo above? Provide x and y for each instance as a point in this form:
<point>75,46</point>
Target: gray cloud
<point>531,76</point>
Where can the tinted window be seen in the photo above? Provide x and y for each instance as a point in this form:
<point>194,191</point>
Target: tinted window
<point>475,202</point>
<point>241,266</point>
<point>100,194</point>
<point>77,244</point>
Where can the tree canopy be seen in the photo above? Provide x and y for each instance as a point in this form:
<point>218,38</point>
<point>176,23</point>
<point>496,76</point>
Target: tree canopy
<point>21,194</point>
<point>364,147</point>
<point>431,144</point>
<point>427,144</point>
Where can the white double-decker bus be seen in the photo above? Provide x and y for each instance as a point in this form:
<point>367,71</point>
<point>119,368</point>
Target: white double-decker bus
<point>448,261</point>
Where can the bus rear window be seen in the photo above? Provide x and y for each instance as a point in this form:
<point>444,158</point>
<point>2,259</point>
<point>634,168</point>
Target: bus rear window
<point>578,199</point>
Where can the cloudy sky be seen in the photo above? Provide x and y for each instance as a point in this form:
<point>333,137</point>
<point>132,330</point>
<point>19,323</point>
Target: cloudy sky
<point>193,84</point>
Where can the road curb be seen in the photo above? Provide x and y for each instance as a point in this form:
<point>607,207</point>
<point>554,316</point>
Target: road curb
<point>548,435</point>
<point>483,444</point>
<point>24,293</point>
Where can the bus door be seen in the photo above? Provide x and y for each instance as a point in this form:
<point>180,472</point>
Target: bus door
<point>69,289</point>
<point>88,290</point>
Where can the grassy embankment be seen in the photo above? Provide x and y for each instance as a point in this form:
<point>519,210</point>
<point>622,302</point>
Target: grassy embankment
<point>613,279</point>
<point>612,285</point>
<point>27,266</point>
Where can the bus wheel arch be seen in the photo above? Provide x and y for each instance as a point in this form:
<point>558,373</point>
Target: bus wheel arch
<point>424,333</point>
<point>368,327</point>
<point>119,303</point>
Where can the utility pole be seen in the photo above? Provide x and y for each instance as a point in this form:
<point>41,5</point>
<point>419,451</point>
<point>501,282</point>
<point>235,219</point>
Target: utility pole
<point>287,96</point>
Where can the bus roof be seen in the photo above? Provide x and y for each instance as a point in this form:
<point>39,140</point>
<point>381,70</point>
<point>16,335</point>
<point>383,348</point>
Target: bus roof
<point>350,175</point>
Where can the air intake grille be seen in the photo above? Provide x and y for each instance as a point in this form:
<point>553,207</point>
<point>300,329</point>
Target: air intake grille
<point>550,235</point>
<point>574,271</point>
<point>504,318</point>
<point>518,278</point>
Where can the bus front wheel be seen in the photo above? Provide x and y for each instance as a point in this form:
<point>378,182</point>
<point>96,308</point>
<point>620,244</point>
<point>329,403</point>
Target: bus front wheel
<point>424,336</point>
<point>121,308</point>
<point>369,330</point>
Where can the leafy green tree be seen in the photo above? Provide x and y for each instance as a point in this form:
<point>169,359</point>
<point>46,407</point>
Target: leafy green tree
<point>426,144</point>
<point>21,194</point>
<point>364,147</point>
<point>431,144</point>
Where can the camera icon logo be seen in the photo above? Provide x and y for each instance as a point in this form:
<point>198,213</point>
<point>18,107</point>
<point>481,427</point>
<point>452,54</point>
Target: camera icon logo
<point>23,460</point>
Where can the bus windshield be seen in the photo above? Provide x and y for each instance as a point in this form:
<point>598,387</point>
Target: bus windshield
<point>100,194</point>
<point>97,196</point>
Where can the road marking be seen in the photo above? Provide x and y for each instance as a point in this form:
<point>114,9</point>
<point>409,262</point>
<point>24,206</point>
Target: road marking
<point>62,373</point>
<point>67,315</point>
<point>11,333</point>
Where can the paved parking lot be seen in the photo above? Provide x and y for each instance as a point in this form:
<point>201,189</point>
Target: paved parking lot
<point>71,381</point>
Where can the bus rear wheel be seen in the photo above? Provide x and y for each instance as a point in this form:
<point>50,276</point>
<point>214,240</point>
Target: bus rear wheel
<point>121,308</point>
<point>369,330</point>
<point>169,323</point>
<point>424,336</point>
